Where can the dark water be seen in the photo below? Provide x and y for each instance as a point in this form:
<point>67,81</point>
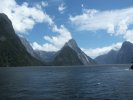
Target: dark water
<point>67,83</point>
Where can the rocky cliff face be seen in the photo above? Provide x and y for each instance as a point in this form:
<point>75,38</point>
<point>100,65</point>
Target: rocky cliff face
<point>29,48</point>
<point>71,54</point>
<point>12,51</point>
<point>67,56</point>
<point>81,55</point>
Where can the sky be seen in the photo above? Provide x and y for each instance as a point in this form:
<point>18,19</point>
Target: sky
<point>97,25</point>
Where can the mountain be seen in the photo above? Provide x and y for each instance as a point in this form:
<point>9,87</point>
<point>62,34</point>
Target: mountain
<point>67,56</point>
<point>12,51</point>
<point>29,48</point>
<point>45,55</point>
<point>109,58</point>
<point>71,54</point>
<point>123,56</point>
<point>81,55</point>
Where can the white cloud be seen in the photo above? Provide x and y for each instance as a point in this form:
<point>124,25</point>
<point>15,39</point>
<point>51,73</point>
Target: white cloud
<point>23,16</point>
<point>55,42</point>
<point>44,4</point>
<point>61,8</point>
<point>44,47</point>
<point>100,51</point>
<point>115,22</point>
<point>41,5</point>
<point>59,40</point>
<point>129,35</point>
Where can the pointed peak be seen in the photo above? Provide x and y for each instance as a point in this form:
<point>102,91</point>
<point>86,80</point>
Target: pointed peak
<point>72,43</point>
<point>126,43</point>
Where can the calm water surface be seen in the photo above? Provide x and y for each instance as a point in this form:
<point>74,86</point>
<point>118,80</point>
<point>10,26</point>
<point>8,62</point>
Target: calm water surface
<point>67,83</point>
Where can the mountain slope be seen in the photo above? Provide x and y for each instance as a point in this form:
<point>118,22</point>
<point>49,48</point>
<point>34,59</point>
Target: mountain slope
<point>29,48</point>
<point>71,54</point>
<point>67,56</point>
<point>109,58</point>
<point>81,55</point>
<point>125,54</point>
<point>122,56</point>
<point>12,51</point>
<point>45,56</point>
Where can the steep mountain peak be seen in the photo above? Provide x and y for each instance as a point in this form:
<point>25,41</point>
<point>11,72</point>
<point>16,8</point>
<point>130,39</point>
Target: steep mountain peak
<point>72,44</point>
<point>81,55</point>
<point>126,43</point>
<point>72,41</point>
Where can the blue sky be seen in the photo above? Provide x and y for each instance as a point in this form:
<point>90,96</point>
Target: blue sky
<point>97,25</point>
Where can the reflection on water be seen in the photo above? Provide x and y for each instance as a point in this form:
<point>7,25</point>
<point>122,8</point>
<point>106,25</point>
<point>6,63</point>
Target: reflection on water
<point>66,83</point>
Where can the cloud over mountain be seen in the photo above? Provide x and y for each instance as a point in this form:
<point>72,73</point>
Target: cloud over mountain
<point>24,17</point>
<point>115,22</point>
<point>100,51</point>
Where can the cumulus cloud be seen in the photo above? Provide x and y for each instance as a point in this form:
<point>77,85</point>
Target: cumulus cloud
<point>55,43</point>
<point>115,22</point>
<point>59,40</point>
<point>61,8</point>
<point>44,47</point>
<point>100,51</point>
<point>23,16</point>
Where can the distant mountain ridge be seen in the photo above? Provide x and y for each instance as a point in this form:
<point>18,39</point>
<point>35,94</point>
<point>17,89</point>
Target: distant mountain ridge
<point>45,55</point>
<point>17,51</point>
<point>70,54</point>
<point>123,56</point>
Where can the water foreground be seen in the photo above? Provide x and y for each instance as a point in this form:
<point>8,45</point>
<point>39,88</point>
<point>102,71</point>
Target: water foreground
<point>113,82</point>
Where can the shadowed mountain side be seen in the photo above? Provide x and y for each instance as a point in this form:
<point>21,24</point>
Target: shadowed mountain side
<point>67,56</point>
<point>109,58</point>
<point>71,54</point>
<point>123,56</point>
<point>12,51</point>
